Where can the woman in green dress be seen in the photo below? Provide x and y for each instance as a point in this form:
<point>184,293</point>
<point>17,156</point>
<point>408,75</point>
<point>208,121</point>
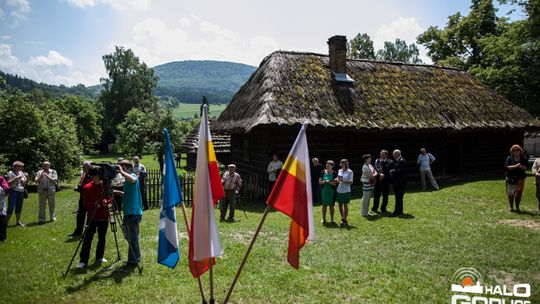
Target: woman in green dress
<point>327,180</point>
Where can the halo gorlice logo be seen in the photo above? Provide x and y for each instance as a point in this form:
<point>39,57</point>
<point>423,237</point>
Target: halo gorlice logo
<point>469,281</point>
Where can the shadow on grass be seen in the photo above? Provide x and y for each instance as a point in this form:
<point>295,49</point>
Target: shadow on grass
<point>73,239</point>
<point>117,275</point>
<point>406,216</point>
<point>258,206</point>
<point>529,213</point>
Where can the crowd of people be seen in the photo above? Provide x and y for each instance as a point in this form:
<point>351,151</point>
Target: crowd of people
<point>329,186</point>
<point>128,193</point>
<point>127,196</point>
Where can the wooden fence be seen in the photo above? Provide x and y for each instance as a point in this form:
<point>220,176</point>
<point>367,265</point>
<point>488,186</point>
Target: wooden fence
<point>254,188</point>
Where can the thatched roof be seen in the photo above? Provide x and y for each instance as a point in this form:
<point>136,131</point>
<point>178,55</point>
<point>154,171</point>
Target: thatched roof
<point>292,88</point>
<point>222,142</point>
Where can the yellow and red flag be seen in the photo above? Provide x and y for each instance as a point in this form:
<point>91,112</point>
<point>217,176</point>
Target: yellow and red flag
<point>204,241</point>
<point>292,195</point>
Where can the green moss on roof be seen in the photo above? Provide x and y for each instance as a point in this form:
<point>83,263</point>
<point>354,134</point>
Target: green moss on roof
<point>290,88</point>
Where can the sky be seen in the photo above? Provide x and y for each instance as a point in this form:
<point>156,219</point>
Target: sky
<point>62,41</point>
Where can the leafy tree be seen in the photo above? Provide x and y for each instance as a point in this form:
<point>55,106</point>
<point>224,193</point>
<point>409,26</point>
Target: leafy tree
<point>459,43</point>
<point>143,132</point>
<point>86,118</point>
<point>399,51</point>
<point>503,54</point>
<point>361,47</point>
<point>33,135</point>
<point>131,84</point>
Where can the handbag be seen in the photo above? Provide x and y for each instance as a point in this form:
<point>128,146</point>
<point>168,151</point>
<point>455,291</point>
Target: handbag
<point>57,187</point>
<point>25,195</point>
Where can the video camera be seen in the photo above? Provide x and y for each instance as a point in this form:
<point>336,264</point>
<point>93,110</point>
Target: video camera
<point>105,171</point>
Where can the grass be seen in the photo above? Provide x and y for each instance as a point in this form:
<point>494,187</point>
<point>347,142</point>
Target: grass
<point>188,110</point>
<point>385,260</point>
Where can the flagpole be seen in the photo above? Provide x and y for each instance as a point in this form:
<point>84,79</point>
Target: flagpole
<point>212,301</point>
<point>247,254</point>
<point>198,277</point>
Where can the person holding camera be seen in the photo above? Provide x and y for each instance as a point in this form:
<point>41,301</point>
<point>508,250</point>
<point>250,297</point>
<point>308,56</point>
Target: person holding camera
<point>84,179</point>
<point>515,166</point>
<point>17,180</point>
<point>141,172</point>
<point>231,182</point>
<point>46,180</point>
<point>132,208</point>
<point>327,180</point>
<point>97,210</point>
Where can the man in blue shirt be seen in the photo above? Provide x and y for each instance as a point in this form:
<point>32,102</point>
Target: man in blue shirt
<point>132,208</point>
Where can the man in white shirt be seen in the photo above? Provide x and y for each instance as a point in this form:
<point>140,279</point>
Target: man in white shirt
<point>141,172</point>
<point>274,167</point>
<point>424,161</point>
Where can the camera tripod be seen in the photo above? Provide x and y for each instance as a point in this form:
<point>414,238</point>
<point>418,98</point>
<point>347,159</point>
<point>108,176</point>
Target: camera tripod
<point>114,218</point>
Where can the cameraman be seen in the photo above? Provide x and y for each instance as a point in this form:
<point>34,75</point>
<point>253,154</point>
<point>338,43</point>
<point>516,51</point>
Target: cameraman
<point>96,206</point>
<point>84,179</point>
<point>132,208</point>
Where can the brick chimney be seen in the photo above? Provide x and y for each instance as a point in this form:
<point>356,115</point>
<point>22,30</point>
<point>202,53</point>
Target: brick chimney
<point>337,49</point>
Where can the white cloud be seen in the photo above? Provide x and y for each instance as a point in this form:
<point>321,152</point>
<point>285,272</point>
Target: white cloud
<point>19,8</point>
<point>52,68</point>
<point>155,42</point>
<point>185,22</point>
<point>115,4</point>
<point>6,37</point>
<point>14,10</point>
<point>53,58</point>
<point>403,28</point>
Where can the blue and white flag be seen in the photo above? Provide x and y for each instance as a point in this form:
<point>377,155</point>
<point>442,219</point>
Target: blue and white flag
<point>172,195</point>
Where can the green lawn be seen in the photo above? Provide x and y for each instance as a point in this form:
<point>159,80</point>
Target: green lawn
<point>188,110</point>
<point>385,260</point>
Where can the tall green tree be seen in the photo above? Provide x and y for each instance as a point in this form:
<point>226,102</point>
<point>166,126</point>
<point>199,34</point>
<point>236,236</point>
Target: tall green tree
<point>84,112</point>
<point>504,54</point>
<point>459,43</point>
<point>34,134</point>
<point>399,51</point>
<point>131,84</point>
<point>361,47</point>
<point>143,132</point>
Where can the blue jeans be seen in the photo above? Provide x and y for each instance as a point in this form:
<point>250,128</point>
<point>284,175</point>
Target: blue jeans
<point>15,201</point>
<point>132,222</point>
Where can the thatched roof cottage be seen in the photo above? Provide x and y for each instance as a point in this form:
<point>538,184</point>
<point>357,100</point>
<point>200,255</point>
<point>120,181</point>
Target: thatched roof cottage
<point>362,106</point>
<point>221,142</point>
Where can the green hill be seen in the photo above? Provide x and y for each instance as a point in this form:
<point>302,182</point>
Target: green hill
<point>56,91</point>
<point>188,81</point>
<point>179,82</point>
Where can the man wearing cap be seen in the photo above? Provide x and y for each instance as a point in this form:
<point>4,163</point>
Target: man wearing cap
<point>132,208</point>
<point>231,184</point>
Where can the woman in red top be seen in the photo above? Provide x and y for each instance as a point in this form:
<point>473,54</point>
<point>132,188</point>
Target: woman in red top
<point>97,210</point>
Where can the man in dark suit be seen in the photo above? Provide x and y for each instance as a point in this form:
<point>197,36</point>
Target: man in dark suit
<point>382,185</point>
<point>399,180</point>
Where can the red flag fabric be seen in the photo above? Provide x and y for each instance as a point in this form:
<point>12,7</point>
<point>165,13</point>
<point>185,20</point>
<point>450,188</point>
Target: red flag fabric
<point>292,196</point>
